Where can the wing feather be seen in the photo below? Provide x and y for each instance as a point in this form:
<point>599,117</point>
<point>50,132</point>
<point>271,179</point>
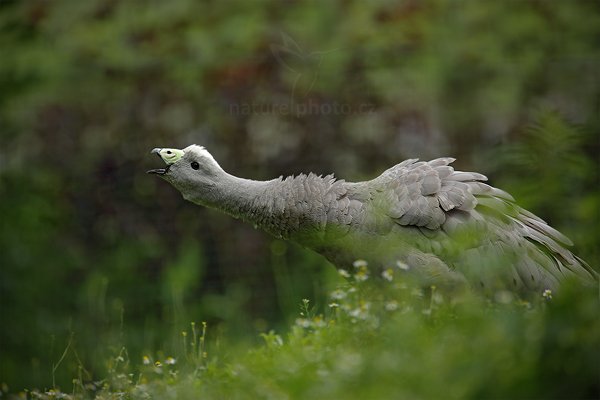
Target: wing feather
<point>436,198</point>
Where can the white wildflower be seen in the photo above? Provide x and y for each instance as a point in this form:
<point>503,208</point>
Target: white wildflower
<point>170,361</point>
<point>360,264</point>
<point>303,322</point>
<point>362,311</point>
<point>391,305</point>
<point>388,275</point>
<point>547,294</point>
<point>362,274</point>
<point>318,322</point>
<point>402,266</point>
<point>343,273</point>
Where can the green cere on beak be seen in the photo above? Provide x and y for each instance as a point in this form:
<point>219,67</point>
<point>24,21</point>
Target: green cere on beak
<point>169,156</point>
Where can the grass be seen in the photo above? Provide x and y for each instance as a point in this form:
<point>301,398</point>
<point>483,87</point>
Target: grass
<point>378,339</point>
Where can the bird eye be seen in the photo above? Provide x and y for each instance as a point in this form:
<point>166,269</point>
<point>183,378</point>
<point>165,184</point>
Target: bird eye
<point>195,165</point>
<point>169,152</point>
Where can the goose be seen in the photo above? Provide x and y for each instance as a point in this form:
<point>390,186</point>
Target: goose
<point>435,224</point>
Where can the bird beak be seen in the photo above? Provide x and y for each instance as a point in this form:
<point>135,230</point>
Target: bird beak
<point>158,171</point>
<point>169,156</point>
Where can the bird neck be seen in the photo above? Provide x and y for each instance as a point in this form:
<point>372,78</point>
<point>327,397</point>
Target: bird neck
<point>246,199</point>
<point>283,207</point>
<point>240,197</point>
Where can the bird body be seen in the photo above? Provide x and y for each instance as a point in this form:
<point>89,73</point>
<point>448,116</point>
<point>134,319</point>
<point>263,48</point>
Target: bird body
<point>445,227</point>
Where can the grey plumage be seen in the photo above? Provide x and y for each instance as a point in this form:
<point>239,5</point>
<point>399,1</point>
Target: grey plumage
<point>448,227</point>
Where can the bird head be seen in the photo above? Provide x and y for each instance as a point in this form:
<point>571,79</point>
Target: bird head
<point>193,171</point>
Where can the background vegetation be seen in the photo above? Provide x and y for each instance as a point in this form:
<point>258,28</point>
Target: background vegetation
<point>95,255</point>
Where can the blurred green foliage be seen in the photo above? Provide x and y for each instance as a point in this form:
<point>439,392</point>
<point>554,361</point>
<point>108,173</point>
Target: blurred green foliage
<point>90,245</point>
<point>380,340</point>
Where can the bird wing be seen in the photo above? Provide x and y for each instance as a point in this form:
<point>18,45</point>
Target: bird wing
<point>422,193</point>
<point>441,201</point>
